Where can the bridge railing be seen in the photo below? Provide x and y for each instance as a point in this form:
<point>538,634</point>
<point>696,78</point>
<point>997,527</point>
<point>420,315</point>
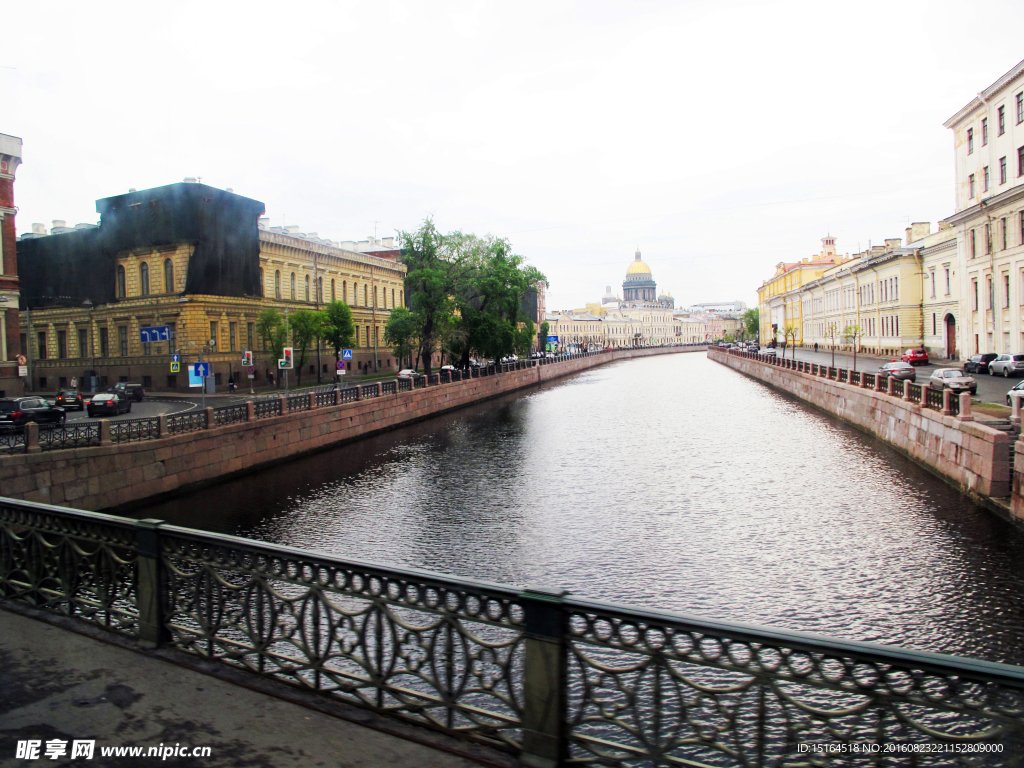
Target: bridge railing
<point>74,435</point>
<point>541,674</point>
<point>128,430</point>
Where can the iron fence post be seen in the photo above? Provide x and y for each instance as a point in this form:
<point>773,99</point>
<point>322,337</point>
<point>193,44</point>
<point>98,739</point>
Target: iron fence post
<point>965,407</point>
<point>161,425</point>
<point>250,410</point>
<point>284,406</point>
<point>947,402</point>
<point>211,420</point>
<point>149,588</point>
<point>104,431</point>
<point>312,400</point>
<point>32,437</point>
<point>545,679</point>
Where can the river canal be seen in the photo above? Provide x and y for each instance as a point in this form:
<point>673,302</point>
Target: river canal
<point>671,482</point>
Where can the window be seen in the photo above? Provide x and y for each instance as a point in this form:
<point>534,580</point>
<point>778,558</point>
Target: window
<point>366,302</point>
<point>947,281</point>
<point>121,290</point>
<point>320,290</point>
<point>250,332</point>
<point>986,179</point>
<point>41,348</point>
<point>172,382</point>
<point>1020,161</point>
<point>401,298</point>
<point>974,288</point>
<point>988,239</point>
<point>1020,108</point>
<point>144,279</point>
<point>933,324</point>
<point>1001,121</point>
<point>896,288</point>
<point>62,344</point>
<point>307,287</point>
<point>293,286</point>
<point>974,243</point>
<point>344,291</point>
<point>277,284</point>
<point>392,298</point>
<point>104,343</point>
<point>984,131</point>
<point>233,336</point>
<point>122,338</point>
<point>172,341</point>
<point>933,283</point>
<point>970,184</point>
<point>970,141</point>
<point>355,294</point>
<point>262,288</point>
<point>147,382</point>
<point>1002,170</point>
<point>332,290</point>
<point>1003,228</point>
<point>169,276</point>
<point>1006,288</point>
<point>213,335</point>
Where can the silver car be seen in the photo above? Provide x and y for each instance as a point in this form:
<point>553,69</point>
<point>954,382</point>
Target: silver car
<point>1008,365</point>
<point>898,370</point>
<point>954,380</point>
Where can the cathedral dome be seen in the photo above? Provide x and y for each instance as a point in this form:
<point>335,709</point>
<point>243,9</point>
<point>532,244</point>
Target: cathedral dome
<point>638,268</point>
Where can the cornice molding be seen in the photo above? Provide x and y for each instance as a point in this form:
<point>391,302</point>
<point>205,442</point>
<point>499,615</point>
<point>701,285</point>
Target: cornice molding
<point>1009,196</point>
<point>979,101</point>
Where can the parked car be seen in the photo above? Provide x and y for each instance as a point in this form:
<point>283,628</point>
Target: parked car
<point>769,352</point>
<point>899,370</point>
<point>407,373</point>
<point>447,368</point>
<point>128,391</point>
<point>109,404</point>
<point>16,412</point>
<point>917,356</point>
<point>1019,387</point>
<point>953,379</point>
<point>1008,365</point>
<point>979,363</point>
<point>71,398</point>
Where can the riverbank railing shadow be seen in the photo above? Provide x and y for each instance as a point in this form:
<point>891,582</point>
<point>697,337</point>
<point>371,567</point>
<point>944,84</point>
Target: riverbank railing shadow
<point>537,673</point>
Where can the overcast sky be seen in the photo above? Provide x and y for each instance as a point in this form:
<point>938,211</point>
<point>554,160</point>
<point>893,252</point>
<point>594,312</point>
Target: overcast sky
<point>719,138</point>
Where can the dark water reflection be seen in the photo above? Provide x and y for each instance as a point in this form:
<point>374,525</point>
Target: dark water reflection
<point>672,482</point>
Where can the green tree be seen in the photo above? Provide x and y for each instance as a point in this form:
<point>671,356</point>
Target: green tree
<point>270,328</point>
<point>752,322</point>
<point>429,284</point>
<point>854,332</point>
<point>306,327</point>
<point>791,332</point>
<point>338,327</point>
<point>401,333</point>
<point>542,336</point>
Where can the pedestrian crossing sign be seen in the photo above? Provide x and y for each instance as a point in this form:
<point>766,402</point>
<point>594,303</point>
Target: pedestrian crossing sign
<point>175,367</point>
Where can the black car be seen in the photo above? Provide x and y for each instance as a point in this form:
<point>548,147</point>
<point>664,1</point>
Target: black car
<point>110,404</point>
<point>16,412</point>
<point>128,391</point>
<point>979,363</point>
<point>71,398</point>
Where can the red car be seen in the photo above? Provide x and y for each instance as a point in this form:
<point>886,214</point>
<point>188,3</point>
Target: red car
<point>916,356</point>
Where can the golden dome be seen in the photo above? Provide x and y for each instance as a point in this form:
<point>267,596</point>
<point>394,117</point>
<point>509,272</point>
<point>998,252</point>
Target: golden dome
<point>638,268</point>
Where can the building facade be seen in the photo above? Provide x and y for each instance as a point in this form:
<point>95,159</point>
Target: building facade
<point>778,299</point>
<point>10,328</point>
<point>199,260</point>
<point>988,147</point>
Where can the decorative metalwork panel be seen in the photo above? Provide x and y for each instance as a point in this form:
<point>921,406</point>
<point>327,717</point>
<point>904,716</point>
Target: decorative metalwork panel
<point>324,399</point>
<point>660,691</point>
<point>369,390</point>
<point>433,379</point>
<point>266,409</point>
<point>442,653</point>
<point>128,430</point>
<point>73,435</point>
<point>298,403</point>
<point>897,387</point>
<point>842,374</point>
<point>855,377</point>
<point>389,387</point>
<point>954,406</point>
<point>404,385</point>
<point>869,380</point>
<point>933,398</point>
<point>913,392</point>
<point>80,564</point>
<point>350,394</point>
<point>12,442</point>
<point>186,422</point>
<point>230,414</point>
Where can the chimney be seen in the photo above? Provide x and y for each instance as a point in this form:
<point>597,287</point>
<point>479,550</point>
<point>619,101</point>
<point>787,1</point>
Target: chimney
<point>292,229</point>
<point>944,225</point>
<point>892,243</point>
<point>39,229</point>
<point>909,232</point>
<point>264,222</point>
<point>59,223</point>
<point>131,189</point>
<point>921,229</point>
<point>190,180</point>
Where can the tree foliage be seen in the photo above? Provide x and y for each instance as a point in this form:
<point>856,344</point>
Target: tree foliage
<point>305,326</point>
<point>401,333</point>
<point>752,321</point>
<point>337,327</point>
<point>270,328</point>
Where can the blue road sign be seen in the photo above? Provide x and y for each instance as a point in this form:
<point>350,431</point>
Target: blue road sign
<point>346,354</point>
<point>552,339</point>
<point>201,369</point>
<point>175,358</point>
<point>155,333</point>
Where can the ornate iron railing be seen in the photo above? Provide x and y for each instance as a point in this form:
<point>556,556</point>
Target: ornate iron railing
<point>324,399</point>
<point>913,392</point>
<point>298,402</point>
<point>369,390</point>
<point>855,378</point>
<point>74,435</point>
<point>230,414</point>
<point>266,409</point>
<point>128,430</point>
<point>180,423</point>
<point>388,387</point>
<point>563,679</point>
<point>897,387</point>
<point>954,405</point>
<point>933,398</point>
<point>841,375</point>
<point>404,385</point>
<point>12,442</point>
<point>433,379</point>
<point>868,380</point>
<point>349,394</point>
<point>882,380</point>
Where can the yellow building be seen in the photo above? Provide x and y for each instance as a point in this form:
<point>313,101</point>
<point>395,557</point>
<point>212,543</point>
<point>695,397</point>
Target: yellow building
<point>778,299</point>
<point>208,286</point>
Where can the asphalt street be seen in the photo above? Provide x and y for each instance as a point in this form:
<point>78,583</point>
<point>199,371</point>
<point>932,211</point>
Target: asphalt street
<point>991,389</point>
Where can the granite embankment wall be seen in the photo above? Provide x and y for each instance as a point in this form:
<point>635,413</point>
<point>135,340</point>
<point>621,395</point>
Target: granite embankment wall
<point>106,476</point>
<point>970,455</point>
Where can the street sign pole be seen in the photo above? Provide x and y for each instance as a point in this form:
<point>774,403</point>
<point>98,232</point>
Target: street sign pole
<point>203,379</point>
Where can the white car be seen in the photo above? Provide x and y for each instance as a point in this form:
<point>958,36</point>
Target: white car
<point>447,368</point>
<point>953,379</point>
<point>1008,365</point>
<point>768,351</point>
<point>406,373</point>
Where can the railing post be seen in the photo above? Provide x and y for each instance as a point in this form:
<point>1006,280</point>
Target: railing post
<point>105,432</point>
<point>211,420</point>
<point>1015,403</point>
<point>891,382</point>
<point>312,400</point>
<point>337,395</point>
<point>149,586</point>
<point>947,402</point>
<point>284,405</point>
<point>32,437</point>
<point>545,679</point>
<point>359,391</point>
<point>906,390</point>
<point>878,383</point>
<point>250,410</point>
<point>161,425</point>
<point>965,407</point>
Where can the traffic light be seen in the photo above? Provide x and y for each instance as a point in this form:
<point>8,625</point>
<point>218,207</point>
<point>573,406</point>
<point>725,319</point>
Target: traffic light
<point>247,358</point>
<point>286,361</point>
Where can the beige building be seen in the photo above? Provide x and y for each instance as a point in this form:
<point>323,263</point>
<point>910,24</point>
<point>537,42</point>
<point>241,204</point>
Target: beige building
<point>988,143</point>
<point>576,331</point>
<point>778,298</point>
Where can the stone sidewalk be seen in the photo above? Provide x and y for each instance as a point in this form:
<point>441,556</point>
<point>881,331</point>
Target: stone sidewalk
<point>58,684</point>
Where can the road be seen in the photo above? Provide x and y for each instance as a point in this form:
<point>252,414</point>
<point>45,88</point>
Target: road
<point>991,389</point>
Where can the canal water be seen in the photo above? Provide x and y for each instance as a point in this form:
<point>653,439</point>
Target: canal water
<point>671,482</point>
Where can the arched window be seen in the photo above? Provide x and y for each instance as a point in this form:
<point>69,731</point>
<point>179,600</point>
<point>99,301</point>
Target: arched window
<point>293,286</point>
<point>277,283</point>
<point>366,303</point>
<point>120,282</point>
<point>168,276</point>
<point>144,279</point>
<point>401,298</point>
<point>344,291</point>
<point>355,294</point>
<point>332,291</point>
<point>262,289</point>
<point>307,287</point>
<point>392,298</point>
<point>375,294</point>
<point>320,290</point>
